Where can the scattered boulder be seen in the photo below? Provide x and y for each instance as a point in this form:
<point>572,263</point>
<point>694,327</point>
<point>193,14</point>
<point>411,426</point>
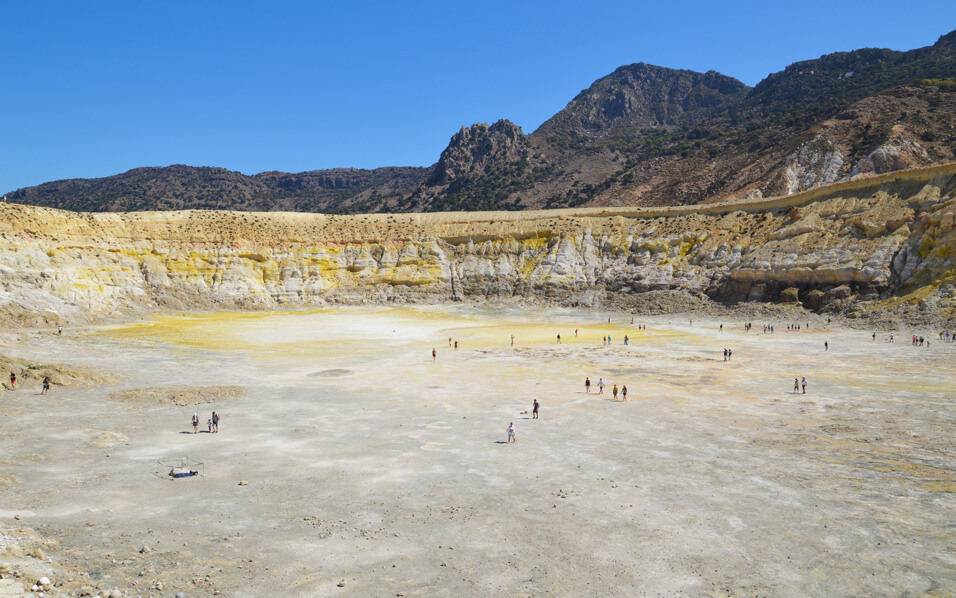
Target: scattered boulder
<point>814,299</point>
<point>838,293</point>
<point>894,223</point>
<point>868,227</point>
<point>790,295</point>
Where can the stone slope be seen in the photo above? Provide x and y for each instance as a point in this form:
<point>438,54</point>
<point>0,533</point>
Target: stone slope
<point>870,243</point>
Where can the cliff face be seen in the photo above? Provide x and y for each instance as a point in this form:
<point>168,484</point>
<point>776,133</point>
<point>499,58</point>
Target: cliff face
<point>875,242</point>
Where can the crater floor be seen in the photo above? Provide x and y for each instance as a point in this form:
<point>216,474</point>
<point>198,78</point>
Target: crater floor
<point>372,469</point>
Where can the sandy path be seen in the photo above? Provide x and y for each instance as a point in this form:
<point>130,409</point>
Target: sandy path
<point>368,463</point>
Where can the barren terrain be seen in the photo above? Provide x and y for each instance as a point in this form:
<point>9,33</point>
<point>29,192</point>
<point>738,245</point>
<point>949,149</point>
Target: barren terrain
<point>369,469</point>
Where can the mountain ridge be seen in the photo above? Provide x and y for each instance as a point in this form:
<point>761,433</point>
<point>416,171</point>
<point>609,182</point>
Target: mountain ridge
<point>641,135</point>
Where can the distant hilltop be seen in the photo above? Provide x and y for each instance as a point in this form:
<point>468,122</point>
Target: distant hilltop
<point>643,135</point>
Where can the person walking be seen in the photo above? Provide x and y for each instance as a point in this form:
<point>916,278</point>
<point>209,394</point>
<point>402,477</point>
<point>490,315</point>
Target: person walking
<point>434,354</point>
<point>803,383</point>
<point>624,392</point>
<point>13,381</point>
<point>534,409</point>
<point>46,385</point>
<point>195,423</point>
<point>796,386</point>
<point>215,422</point>
<point>511,433</point>
<point>614,392</point>
<point>600,386</point>
<point>587,385</point>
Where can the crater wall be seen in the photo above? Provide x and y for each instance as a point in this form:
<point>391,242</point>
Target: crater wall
<point>880,241</point>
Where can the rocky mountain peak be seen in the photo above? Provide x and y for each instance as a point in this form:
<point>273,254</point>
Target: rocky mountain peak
<point>473,148</point>
<point>947,41</point>
<point>641,95</point>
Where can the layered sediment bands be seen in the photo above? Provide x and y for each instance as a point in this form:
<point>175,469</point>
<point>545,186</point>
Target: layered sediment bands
<point>887,239</point>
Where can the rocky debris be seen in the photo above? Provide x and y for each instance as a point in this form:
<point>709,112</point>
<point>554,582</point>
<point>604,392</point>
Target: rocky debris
<point>42,585</point>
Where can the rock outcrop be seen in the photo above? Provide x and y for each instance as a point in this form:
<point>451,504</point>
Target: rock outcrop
<point>888,239</point>
<point>640,96</point>
<point>817,163</point>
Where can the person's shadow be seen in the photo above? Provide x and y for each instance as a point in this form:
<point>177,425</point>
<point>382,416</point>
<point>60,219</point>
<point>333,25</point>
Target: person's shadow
<point>500,442</point>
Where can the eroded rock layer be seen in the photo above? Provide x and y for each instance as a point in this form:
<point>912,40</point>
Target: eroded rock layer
<point>885,240</point>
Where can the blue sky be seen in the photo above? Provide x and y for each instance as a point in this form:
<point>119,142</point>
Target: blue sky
<point>91,89</point>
